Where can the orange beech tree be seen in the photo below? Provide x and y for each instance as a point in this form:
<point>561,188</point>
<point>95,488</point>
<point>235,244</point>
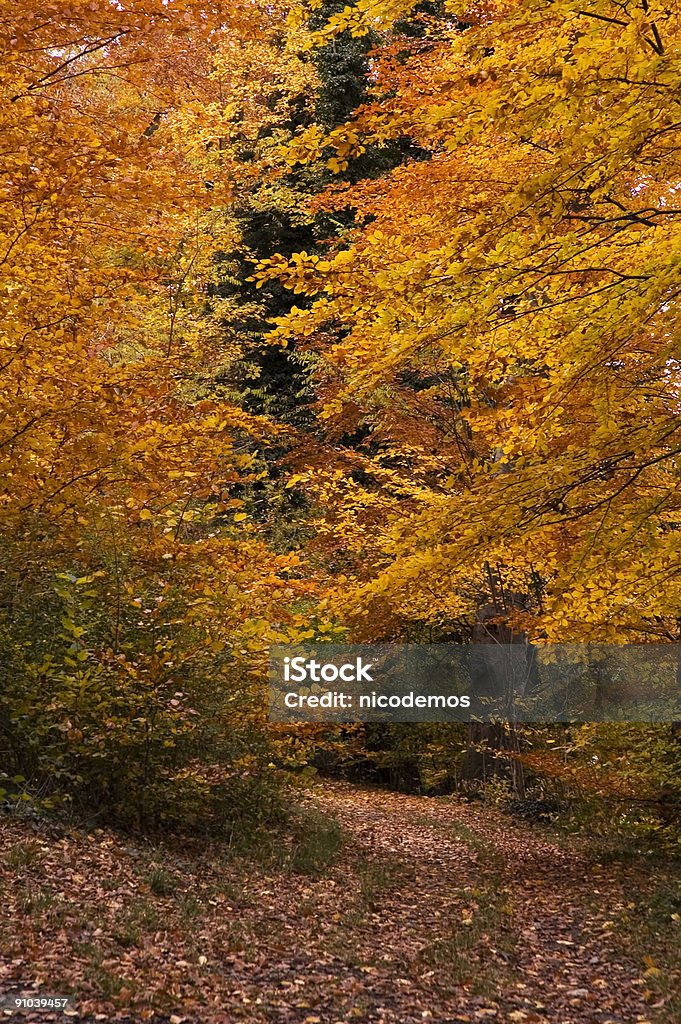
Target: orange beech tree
<point>135,592</point>
<point>501,326</point>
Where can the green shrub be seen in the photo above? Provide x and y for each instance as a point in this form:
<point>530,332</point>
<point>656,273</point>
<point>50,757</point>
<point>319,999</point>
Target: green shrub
<point>151,727</point>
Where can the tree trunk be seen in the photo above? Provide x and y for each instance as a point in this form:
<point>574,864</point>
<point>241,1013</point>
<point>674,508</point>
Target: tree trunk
<point>492,746</point>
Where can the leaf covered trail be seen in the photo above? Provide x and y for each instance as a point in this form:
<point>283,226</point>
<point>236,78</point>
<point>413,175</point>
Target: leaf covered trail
<point>432,911</point>
<point>492,921</point>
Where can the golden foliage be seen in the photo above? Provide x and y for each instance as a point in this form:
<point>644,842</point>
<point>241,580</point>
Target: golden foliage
<point>503,322</point>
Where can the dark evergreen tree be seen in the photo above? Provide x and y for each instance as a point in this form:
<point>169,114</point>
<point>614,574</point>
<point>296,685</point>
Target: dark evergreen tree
<point>268,379</point>
<point>272,380</point>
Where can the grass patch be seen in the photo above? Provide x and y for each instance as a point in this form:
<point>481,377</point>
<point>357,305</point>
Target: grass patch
<point>310,845</point>
<point>161,882</point>
<point>487,855</point>
<point>46,908</point>
<point>612,832</point>
<point>137,920</point>
<point>189,906</point>
<point>111,986</point>
<point>22,855</point>
<point>377,877</point>
<point>649,932</point>
<point>462,956</point>
<point>232,891</point>
<point>127,936</point>
<point>316,845</point>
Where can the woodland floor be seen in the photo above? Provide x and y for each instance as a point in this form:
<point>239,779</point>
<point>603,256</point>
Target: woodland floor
<point>429,910</point>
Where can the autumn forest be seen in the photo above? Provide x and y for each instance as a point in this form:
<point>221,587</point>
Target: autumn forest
<point>334,323</point>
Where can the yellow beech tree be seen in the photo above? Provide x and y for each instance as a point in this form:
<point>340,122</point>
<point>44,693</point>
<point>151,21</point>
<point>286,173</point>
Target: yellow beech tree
<point>502,324</point>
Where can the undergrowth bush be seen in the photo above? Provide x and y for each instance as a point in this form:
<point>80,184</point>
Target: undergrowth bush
<point>138,720</point>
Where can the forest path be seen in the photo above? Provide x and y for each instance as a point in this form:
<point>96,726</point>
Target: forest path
<point>462,915</point>
<point>430,911</point>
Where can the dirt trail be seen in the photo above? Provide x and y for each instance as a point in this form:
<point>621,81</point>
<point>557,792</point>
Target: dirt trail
<point>435,911</point>
<point>486,920</point>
